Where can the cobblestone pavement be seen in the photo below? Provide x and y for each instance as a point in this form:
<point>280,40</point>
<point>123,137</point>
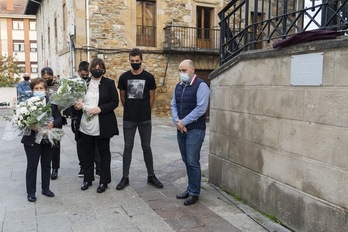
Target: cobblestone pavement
<point>139,207</point>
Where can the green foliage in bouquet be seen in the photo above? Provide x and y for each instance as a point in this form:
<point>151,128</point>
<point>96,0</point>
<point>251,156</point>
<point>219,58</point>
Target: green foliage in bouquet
<point>69,92</point>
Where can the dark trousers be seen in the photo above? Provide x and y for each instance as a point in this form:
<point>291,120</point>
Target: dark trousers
<point>34,153</point>
<point>56,156</point>
<point>89,144</point>
<point>145,130</point>
<point>79,149</point>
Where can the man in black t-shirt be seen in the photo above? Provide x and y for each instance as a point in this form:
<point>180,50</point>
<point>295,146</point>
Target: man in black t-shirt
<point>137,90</point>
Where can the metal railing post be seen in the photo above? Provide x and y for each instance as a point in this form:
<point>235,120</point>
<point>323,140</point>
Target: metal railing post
<point>246,25</point>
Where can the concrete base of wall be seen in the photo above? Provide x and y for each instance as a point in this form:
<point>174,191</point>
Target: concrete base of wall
<point>283,148</point>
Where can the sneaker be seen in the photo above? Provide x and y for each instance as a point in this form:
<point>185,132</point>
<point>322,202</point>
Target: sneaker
<point>81,173</point>
<point>123,183</point>
<point>152,180</point>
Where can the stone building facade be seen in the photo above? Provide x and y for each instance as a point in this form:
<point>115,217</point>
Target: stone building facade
<point>70,31</point>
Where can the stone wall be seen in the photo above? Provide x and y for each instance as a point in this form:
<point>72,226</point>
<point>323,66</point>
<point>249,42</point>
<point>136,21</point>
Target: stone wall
<point>282,148</point>
<point>112,29</point>
<point>165,69</point>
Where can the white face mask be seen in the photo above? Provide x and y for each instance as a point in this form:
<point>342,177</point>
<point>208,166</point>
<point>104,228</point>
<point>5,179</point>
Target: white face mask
<point>40,94</point>
<point>184,77</point>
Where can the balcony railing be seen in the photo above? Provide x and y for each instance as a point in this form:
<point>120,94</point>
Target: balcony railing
<point>191,39</point>
<point>146,36</point>
<point>242,29</point>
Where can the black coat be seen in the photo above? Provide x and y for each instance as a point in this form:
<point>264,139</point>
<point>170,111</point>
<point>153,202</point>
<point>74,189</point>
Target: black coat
<point>57,121</point>
<point>108,102</point>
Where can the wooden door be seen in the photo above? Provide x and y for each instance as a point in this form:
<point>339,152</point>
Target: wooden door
<point>203,74</point>
<point>204,26</point>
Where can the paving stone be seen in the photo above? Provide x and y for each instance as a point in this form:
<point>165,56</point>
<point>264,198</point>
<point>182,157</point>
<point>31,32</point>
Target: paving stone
<point>138,208</point>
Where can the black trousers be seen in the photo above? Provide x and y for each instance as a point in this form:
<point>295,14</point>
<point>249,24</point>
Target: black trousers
<point>34,153</point>
<point>56,156</point>
<point>79,148</point>
<point>89,144</point>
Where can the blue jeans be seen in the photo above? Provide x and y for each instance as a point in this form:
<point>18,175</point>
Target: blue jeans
<point>190,144</point>
<point>145,130</point>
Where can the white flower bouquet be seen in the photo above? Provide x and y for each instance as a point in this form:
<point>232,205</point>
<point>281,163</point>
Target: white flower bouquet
<point>31,113</point>
<point>69,92</point>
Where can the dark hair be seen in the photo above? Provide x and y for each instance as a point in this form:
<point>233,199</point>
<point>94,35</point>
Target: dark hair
<point>47,70</point>
<point>95,62</point>
<point>83,66</point>
<point>136,52</point>
<point>37,81</point>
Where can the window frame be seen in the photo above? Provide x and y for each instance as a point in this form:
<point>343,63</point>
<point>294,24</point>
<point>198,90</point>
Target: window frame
<point>20,45</point>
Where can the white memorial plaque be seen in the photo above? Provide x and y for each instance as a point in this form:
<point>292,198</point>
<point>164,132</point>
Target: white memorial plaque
<point>307,69</point>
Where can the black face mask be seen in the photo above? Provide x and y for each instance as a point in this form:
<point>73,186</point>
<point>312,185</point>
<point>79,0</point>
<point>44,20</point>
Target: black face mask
<point>49,82</point>
<point>96,73</point>
<point>26,78</point>
<point>135,66</point>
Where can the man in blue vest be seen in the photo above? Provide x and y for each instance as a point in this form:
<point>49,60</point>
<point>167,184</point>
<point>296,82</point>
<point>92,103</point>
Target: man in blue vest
<point>189,106</point>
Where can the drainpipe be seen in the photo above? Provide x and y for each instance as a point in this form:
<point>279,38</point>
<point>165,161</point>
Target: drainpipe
<point>72,54</point>
<point>87,30</point>
<point>42,24</point>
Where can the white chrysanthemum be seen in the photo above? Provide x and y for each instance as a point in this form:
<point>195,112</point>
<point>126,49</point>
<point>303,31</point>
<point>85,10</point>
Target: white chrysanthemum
<point>33,108</point>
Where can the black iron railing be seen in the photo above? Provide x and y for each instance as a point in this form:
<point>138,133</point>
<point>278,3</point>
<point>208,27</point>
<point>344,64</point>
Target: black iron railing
<point>179,38</point>
<point>146,36</point>
<point>253,24</point>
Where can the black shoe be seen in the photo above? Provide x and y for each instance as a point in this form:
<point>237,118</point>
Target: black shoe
<point>191,200</point>
<point>101,188</point>
<point>54,174</point>
<point>31,197</point>
<point>154,182</point>
<point>123,183</point>
<point>183,195</point>
<point>81,173</point>
<point>48,193</point>
<point>85,185</point>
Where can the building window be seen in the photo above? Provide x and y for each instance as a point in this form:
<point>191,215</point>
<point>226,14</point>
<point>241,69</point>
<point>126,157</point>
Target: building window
<point>32,25</point>
<point>33,68</point>
<point>33,47</point>
<point>21,67</point>
<point>146,23</point>
<point>18,46</point>
<point>17,25</point>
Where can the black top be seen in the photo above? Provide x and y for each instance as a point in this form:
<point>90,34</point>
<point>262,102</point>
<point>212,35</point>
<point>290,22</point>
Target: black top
<point>137,103</point>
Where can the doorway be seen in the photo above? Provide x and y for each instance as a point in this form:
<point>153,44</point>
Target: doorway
<point>203,74</point>
<point>204,26</point>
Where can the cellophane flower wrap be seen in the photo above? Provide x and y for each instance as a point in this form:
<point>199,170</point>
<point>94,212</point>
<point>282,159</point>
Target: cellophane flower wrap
<point>69,92</point>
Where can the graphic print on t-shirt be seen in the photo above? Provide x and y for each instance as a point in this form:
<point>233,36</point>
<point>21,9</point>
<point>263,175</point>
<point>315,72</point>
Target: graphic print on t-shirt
<point>135,89</point>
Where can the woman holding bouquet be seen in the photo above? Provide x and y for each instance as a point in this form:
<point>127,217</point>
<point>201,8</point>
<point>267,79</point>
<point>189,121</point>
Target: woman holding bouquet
<point>96,123</point>
<point>42,150</point>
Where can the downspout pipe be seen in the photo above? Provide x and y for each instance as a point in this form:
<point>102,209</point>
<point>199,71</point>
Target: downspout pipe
<point>87,31</point>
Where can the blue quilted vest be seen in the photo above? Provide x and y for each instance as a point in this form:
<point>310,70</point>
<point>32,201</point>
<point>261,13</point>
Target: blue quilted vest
<point>186,101</point>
